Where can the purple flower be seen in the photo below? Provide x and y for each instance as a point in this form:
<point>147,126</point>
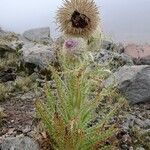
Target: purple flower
<point>70,43</point>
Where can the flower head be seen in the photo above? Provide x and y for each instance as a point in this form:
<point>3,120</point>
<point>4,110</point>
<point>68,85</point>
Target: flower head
<point>78,18</point>
<point>70,43</point>
<point>74,47</point>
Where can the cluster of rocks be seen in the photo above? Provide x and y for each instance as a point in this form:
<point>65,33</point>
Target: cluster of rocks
<point>35,48</point>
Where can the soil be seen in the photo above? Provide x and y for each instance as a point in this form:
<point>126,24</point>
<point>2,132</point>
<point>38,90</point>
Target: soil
<point>19,114</point>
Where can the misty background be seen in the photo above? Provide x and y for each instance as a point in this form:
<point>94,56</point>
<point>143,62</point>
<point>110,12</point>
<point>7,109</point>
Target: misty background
<point>122,20</point>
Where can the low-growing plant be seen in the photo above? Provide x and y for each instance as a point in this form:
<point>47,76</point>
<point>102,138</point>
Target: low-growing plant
<point>2,115</point>
<point>3,91</point>
<point>10,60</point>
<point>139,137</point>
<point>23,83</point>
<point>70,109</point>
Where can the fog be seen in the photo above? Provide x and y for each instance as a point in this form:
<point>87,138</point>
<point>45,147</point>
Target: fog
<point>122,20</point>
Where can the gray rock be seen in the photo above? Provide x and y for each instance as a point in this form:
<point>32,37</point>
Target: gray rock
<point>129,122</point>
<point>140,123</point>
<point>114,60</point>
<point>40,56</point>
<point>133,82</point>
<point>108,45</point>
<point>143,61</point>
<point>147,123</point>
<point>19,143</point>
<point>39,35</point>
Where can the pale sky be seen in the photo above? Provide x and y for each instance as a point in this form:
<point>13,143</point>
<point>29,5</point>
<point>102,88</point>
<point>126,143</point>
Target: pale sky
<point>20,15</point>
<point>119,17</point>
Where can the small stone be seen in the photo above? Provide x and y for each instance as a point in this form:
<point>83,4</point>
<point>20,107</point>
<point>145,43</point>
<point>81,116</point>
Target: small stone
<point>19,143</point>
<point>124,147</point>
<point>12,121</point>
<point>11,131</point>
<point>131,148</point>
<point>26,129</point>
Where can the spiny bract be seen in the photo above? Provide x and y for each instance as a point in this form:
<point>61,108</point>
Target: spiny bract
<point>78,18</point>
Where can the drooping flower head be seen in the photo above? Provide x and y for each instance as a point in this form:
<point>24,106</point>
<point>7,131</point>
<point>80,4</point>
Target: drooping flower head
<point>78,18</point>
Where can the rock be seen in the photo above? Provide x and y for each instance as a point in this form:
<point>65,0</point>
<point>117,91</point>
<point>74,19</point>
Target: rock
<point>40,56</point>
<point>140,123</point>
<point>143,61</point>
<point>108,45</point>
<point>129,122</point>
<point>27,129</point>
<point>139,53</point>
<point>19,143</point>
<point>114,60</point>
<point>9,41</point>
<point>133,82</point>
<point>147,123</point>
<point>39,35</point>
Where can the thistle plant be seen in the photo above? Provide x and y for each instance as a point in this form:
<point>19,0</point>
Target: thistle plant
<point>70,108</point>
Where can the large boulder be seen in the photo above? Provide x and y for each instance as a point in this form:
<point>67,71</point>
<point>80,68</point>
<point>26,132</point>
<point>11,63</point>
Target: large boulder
<point>133,82</point>
<point>19,143</point>
<point>39,35</point>
<point>38,56</point>
<point>112,59</point>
